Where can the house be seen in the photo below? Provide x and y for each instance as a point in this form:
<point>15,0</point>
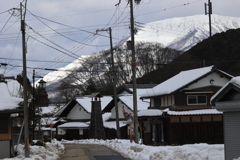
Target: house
<point>8,106</point>
<point>47,121</point>
<point>77,116</point>
<point>187,116</point>
<point>124,100</point>
<point>227,100</point>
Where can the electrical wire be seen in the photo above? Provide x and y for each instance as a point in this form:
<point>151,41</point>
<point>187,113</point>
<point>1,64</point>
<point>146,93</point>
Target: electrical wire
<point>182,5</point>
<point>51,41</point>
<point>52,47</point>
<point>62,25</point>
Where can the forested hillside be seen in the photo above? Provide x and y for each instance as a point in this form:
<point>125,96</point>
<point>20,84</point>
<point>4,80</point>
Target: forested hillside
<point>225,55</point>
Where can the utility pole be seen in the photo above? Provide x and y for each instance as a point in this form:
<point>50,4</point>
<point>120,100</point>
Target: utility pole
<point>209,12</point>
<point>135,108</point>
<point>26,128</point>
<point>114,82</point>
<point>33,106</point>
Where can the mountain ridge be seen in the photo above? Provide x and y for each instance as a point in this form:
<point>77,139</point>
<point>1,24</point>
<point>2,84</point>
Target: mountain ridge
<point>180,32</point>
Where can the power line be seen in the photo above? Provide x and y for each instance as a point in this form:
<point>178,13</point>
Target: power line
<point>61,24</point>
<point>51,41</point>
<point>53,47</point>
<point>182,5</point>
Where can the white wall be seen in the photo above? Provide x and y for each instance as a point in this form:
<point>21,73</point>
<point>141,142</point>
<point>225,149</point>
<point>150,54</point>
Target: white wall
<point>61,131</point>
<point>78,113</point>
<point>218,81</point>
<point>120,115</point>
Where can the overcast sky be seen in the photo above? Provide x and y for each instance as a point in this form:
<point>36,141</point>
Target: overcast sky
<point>59,31</point>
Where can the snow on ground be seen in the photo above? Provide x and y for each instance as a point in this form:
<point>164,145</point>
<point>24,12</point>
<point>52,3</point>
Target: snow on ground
<point>142,152</point>
<point>52,151</point>
<point>133,151</point>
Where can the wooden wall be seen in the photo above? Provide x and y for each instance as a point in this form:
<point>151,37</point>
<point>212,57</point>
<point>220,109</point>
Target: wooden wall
<point>195,129</point>
<point>5,120</point>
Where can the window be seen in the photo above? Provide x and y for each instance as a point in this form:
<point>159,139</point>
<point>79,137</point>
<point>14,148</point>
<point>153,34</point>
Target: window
<point>196,99</point>
<point>4,119</point>
<point>45,133</point>
<point>167,100</point>
<point>157,102</point>
<point>80,131</point>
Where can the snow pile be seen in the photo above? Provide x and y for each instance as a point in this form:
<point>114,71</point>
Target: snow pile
<point>142,152</point>
<point>7,101</point>
<point>51,151</point>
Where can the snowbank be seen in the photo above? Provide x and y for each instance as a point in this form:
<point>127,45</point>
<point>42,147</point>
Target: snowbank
<point>142,152</point>
<point>52,151</point>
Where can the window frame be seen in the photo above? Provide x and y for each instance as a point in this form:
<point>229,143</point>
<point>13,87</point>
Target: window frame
<point>196,97</point>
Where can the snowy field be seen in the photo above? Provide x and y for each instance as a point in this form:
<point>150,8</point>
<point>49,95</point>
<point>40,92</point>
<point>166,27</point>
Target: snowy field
<point>133,151</point>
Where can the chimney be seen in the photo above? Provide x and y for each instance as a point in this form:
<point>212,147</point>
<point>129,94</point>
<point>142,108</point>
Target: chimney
<point>96,125</point>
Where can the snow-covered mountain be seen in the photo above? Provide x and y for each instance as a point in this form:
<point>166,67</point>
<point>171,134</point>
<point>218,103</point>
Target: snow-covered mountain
<point>180,33</point>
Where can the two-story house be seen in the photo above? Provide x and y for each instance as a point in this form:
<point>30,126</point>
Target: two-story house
<point>187,115</point>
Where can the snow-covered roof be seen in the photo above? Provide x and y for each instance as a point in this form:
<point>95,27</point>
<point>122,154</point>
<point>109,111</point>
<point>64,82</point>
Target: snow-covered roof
<point>48,109</point>
<point>234,81</point>
<point>48,129</point>
<point>177,81</point>
<point>141,91</point>
<point>128,100</point>
<point>194,112</point>
<point>112,124</point>
<point>150,112</point>
<point>6,101</point>
<point>85,102</point>
<point>157,112</point>
<point>73,125</point>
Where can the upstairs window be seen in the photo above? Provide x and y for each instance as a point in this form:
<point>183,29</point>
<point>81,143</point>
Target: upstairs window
<point>157,102</point>
<point>196,99</point>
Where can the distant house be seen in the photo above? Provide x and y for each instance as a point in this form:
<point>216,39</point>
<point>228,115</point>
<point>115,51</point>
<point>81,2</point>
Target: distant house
<point>77,116</point>
<point>8,105</point>
<point>227,100</point>
<point>125,100</point>
<point>47,121</point>
<point>186,114</point>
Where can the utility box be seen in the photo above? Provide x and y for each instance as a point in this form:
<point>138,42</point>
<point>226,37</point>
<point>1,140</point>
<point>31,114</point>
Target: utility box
<point>6,152</point>
<point>227,100</point>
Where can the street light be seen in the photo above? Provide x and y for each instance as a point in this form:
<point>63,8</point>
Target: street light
<point>42,84</point>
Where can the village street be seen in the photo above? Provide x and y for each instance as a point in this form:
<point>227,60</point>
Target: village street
<point>89,152</point>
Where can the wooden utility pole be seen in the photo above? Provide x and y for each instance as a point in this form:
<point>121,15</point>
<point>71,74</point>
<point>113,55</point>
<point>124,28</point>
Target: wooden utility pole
<point>33,106</point>
<point>209,12</point>
<point>26,128</point>
<point>135,108</point>
<point>114,82</point>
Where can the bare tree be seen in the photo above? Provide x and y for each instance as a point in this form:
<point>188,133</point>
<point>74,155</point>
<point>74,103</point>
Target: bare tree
<point>96,72</point>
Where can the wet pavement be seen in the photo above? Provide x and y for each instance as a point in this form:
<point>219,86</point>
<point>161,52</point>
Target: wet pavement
<point>89,152</point>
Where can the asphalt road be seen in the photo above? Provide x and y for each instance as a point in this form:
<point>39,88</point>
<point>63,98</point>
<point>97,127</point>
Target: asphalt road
<point>89,152</point>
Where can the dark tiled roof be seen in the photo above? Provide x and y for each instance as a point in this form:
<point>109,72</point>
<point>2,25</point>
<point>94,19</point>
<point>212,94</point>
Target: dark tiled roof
<point>189,108</point>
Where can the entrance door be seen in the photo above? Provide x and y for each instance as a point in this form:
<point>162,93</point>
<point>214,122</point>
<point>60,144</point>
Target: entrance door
<point>72,134</point>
